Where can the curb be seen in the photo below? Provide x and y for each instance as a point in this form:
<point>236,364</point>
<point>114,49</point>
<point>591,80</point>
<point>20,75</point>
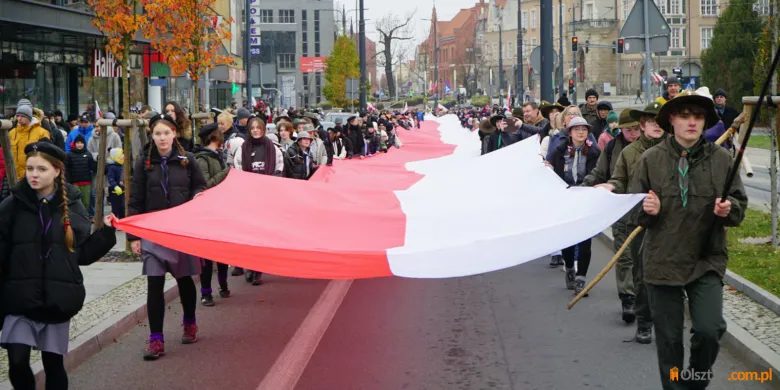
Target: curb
<point>103,334</point>
<point>738,340</point>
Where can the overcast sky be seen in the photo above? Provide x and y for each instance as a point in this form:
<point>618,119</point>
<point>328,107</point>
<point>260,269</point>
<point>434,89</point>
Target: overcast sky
<point>376,9</point>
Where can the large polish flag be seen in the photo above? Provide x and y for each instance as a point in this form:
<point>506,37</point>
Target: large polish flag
<point>433,209</point>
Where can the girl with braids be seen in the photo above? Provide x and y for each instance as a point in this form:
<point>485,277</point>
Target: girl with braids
<point>44,238</point>
<point>167,177</point>
<point>258,155</point>
<point>183,122</point>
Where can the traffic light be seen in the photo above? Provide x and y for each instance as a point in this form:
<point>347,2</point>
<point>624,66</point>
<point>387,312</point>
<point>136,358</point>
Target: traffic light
<point>614,47</point>
<point>574,41</point>
<point>571,87</point>
<point>620,45</point>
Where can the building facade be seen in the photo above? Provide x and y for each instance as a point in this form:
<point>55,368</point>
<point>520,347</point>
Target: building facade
<point>293,37</point>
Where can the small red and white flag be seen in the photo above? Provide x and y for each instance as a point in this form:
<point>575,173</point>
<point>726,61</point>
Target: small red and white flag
<point>98,113</point>
<point>509,98</point>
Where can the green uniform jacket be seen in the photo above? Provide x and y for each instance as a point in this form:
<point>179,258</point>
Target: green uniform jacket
<point>675,237</point>
<point>209,165</point>
<point>606,162</point>
<point>628,160</point>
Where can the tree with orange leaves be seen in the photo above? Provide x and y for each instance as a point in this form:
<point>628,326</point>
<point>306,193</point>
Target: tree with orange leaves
<point>189,34</point>
<point>119,21</point>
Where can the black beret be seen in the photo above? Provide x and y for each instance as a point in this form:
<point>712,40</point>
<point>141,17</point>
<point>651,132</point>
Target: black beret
<point>206,130</point>
<point>45,146</point>
<point>165,117</point>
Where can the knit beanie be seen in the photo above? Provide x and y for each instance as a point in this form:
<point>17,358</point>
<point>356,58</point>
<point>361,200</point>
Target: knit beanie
<point>25,111</point>
<point>612,117</point>
<point>23,102</point>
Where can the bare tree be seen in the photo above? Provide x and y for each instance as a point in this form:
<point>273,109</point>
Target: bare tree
<point>392,28</point>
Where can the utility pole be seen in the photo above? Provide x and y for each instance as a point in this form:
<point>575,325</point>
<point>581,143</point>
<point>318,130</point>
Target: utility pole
<point>560,47</point>
<point>548,58</point>
<point>520,90</point>
<point>247,55</point>
<point>435,61</point>
<point>647,51</point>
<point>362,39</point>
<point>773,147</point>
<point>344,19</point>
<point>574,55</point>
<point>500,52</point>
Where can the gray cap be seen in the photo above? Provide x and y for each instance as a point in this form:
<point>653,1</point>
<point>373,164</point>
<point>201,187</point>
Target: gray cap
<point>25,111</point>
<point>23,102</point>
<point>339,120</point>
<point>578,121</point>
<point>109,115</point>
<point>243,113</point>
<point>304,134</point>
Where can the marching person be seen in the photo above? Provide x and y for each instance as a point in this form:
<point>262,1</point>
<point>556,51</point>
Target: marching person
<point>572,160</point>
<point>258,155</point>
<point>45,235</point>
<point>628,132</point>
<point>651,135</point>
<point>214,172</point>
<point>685,243</point>
<point>167,177</point>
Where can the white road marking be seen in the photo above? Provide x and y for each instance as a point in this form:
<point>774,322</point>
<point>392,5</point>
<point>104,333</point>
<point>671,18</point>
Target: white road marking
<point>291,363</point>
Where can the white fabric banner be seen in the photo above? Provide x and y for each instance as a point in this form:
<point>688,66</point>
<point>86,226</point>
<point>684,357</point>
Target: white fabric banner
<point>472,214</point>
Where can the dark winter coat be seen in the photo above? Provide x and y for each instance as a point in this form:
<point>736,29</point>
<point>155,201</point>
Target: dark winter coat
<point>298,163</point>
<point>606,163</point>
<point>115,174</point>
<point>727,115</point>
<point>355,136</point>
<point>675,237</point>
<point>559,163</point>
<point>211,164</point>
<point>79,166</point>
<point>48,290</point>
<point>147,193</point>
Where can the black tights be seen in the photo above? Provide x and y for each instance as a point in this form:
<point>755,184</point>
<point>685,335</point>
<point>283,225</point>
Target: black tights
<point>155,300</point>
<point>21,375</point>
<point>205,276</point>
<point>583,257</point>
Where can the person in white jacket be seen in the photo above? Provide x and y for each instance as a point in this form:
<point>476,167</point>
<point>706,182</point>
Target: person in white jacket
<point>112,141</point>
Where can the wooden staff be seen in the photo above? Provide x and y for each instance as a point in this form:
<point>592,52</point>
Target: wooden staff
<point>630,238</point>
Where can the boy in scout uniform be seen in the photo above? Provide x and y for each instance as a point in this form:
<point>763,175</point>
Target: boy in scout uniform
<point>684,176</point>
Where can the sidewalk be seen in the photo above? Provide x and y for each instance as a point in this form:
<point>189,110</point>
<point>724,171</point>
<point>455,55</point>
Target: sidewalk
<point>115,302</point>
<point>752,328</point>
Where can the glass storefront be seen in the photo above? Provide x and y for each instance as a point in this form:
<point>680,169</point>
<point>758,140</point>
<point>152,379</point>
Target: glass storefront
<point>61,77</point>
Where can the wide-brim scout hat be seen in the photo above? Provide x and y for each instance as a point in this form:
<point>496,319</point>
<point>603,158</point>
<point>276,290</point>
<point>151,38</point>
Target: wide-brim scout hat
<point>549,107</point>
<point>486,127</point>
<point>517,112</point>
<point>688,97</point>
<point>651,109</point>
<point>627,119</point>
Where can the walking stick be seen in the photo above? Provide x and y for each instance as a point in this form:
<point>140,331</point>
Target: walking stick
<point>630,238</point>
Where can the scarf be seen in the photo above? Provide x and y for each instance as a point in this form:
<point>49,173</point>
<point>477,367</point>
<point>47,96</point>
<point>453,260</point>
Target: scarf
<point>613,132</point>
<point>684,165</point>
<point>45,217</point>
<point>247,154</point>
<point>575,164</point>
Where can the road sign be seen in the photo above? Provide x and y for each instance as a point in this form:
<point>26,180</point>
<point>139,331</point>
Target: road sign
<point>633,31</point>
<point>235,88</point>
<point>254,51</point>
<point>254,31</point>
<point>353,89</point>
<point>536,59</point>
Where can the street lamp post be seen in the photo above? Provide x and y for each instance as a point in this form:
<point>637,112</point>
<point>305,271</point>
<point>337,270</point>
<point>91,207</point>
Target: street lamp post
<point>520,90</point>
<point>362,39</point>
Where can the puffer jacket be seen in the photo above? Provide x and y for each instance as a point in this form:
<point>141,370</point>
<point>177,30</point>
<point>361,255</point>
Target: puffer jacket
<point>79,166</point>
<point>679,244</point>
<point>20,137</point>
<point>211,164</point>
<point>48,289</point>
<point>148,193</point>
<point>299,169</point>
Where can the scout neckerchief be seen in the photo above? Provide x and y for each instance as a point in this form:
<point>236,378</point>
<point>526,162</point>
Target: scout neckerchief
<point>683,166</point>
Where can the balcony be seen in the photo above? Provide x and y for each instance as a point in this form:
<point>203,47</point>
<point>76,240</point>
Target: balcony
<point>593,24</point>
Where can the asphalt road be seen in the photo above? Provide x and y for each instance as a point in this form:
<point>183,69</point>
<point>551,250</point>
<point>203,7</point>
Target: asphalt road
<point>503,330</point>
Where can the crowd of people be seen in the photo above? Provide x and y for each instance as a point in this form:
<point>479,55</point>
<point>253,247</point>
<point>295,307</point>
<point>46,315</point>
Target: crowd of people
<point>46,232</point>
